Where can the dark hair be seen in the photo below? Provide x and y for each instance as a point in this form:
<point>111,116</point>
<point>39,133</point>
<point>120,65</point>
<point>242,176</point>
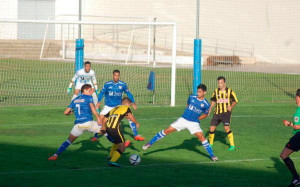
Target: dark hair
<point>116,71</point>
<point>126,99</point>
<point>221,78</point>
<point>85,87</point>
<point>202,87</point>
<point>298,92</point>
<point>87,62</point>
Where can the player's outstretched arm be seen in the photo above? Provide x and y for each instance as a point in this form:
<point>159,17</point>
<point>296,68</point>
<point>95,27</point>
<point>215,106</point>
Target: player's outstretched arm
<point>134,106</point>
<point>289,123</point>
<point>68,111</point>
<point>94,111</point>
<point>71,83</point>
<point>70,87</point>
<point>203,116</point>
<point>229,108</point>
<point>130,96</point>
<point>211,107</point>
<point>132,118</point>
<point>101,93</point>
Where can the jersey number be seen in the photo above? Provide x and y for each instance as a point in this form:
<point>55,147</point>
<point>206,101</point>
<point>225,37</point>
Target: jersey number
<point>78,106</point>
<point>113,121</point>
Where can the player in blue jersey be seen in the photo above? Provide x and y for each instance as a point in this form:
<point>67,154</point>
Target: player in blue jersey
<point>197,109</point>
<point>113,92</point>
<point>83,107</point>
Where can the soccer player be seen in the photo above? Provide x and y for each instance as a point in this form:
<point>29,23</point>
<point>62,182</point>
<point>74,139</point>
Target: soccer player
<point>85,76</point>
<point>197,109</point>
<point>83,107</point>
<point>113,92</point>
<point>294,143</point>
<point>226,100</point>
<point>113,122</point>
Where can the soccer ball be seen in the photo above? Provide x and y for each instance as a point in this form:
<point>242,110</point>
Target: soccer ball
<point>134,159</point>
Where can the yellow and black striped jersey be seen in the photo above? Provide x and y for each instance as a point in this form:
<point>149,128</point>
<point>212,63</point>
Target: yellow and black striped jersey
<point>116,115</point>
<point>223,99</point>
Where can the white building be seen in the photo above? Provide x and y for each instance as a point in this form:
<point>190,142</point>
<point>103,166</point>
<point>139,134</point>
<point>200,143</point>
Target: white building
<point>271,27</point>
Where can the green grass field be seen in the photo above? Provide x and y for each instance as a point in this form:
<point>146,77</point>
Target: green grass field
<point>29,135</point>
<point>32,127</point>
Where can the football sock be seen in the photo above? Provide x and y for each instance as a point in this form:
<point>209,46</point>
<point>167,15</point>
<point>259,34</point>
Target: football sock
<point>157,137</point>
<point>96,135</point>
<point>74,96</point>
<point>116,155</point>
<point>95,98</point>
<point>211,137</point>
<point>112,150</point>
<point>208,148</point>
<point>133,128</point>
<point>63,147</point>
<point>230,138</point>
<point>290,165</point>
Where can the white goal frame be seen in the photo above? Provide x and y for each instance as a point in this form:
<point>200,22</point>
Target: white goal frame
<point>172,24</point>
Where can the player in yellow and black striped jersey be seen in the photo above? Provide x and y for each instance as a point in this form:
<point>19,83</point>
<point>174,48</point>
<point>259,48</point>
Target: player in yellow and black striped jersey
<point>225,99</point>
<point>112,122</point>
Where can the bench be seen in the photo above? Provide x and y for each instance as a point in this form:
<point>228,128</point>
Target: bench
<point>223,60</point>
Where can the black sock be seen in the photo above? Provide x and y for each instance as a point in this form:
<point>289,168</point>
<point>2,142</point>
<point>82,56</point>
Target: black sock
<point>290,164</point>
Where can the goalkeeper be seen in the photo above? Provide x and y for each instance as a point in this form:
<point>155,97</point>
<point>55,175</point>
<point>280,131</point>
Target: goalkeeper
<point>84,76</point>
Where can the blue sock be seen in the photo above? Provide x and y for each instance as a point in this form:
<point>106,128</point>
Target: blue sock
<point>96,135</point>
<point>63,147</point>
<point>157,137</point>
<point>133,128</point>
<point>208,148</point>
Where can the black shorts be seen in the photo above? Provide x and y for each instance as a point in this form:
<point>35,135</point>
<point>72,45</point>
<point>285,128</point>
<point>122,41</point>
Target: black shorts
<point>116,135</point>
<point>225,118</point>
<point>294,143</point>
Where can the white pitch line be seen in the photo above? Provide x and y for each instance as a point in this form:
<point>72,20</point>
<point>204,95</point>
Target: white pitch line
<point>142,119</point>
<point>147,165</point>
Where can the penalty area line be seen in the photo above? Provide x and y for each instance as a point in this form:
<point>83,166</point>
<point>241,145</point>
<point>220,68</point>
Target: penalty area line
<point>139,166</point>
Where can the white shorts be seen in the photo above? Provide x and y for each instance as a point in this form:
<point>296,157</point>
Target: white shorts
<point>105,110</point>
<point>79,85</point>
<point>91,126</point>
<point>181,124</point>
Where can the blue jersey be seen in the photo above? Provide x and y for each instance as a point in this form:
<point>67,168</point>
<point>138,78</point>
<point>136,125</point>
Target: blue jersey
<point>113,92</point>
<point>195,108</point>
<point>81,106</point>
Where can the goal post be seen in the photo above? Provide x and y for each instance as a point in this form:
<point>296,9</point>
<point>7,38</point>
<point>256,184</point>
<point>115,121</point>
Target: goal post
<point>124,45</point>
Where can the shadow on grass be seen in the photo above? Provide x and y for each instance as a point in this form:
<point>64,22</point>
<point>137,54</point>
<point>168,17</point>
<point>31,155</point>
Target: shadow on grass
<point>220,136</point>
<point>28,166</point>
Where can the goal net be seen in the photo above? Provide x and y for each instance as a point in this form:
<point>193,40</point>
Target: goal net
<point>37,60</point>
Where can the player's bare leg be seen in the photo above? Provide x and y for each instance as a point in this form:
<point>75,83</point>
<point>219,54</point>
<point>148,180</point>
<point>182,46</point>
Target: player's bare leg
<point>230,137</point>
<point>284,155</point>
<point>159,136</point>
<point>64,146</point>
<point>95,138</point>
<point>206,145</point>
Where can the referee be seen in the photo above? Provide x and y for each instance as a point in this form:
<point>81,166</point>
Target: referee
<point>294,144</point>
<point>226,99</point>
